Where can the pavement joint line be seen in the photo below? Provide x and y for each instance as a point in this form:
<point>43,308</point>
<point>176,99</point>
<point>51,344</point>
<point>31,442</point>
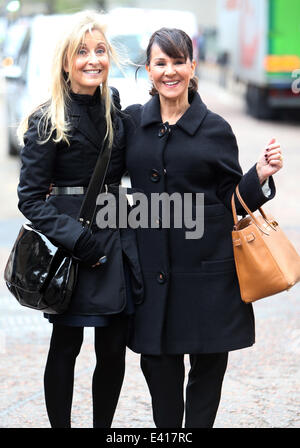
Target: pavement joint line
<point>20,403</point>
<point>36,395</point>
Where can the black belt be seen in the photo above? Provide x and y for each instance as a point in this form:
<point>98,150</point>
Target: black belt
<point>112,188</point>
<point>68,190</point>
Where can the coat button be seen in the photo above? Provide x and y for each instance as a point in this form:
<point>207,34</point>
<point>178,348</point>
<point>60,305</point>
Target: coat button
<point>158,222</point>
<point>163,130</point>
<point>155,176</point>
<point>161,277</point>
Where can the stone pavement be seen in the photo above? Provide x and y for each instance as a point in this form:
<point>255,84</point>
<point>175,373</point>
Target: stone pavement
<point>261,388</point>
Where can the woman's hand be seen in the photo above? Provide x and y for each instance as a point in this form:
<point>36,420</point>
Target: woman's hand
<point>270,161</point>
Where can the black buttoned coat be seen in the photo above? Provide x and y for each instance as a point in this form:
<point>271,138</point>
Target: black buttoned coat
<point>100,290</point>
<point>192,301</point>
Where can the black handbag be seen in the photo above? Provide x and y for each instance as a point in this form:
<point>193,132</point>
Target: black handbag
<point>39,274</point>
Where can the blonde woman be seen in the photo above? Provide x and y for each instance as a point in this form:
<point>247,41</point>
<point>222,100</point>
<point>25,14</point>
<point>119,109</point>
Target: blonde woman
<point>62,140</point>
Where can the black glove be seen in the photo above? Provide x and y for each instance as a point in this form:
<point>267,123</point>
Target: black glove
<point>88,249</point>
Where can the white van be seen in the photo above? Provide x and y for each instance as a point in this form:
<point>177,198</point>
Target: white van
<point>27,80</point>
<point>131,28</point>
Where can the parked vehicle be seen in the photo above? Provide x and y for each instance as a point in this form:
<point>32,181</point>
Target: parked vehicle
<point>12,41</point>
<point>27,77</point>
<point>259,44</point>
<point>130,29</point>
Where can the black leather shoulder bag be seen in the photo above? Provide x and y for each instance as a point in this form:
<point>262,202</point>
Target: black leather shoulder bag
<point>40,275</point>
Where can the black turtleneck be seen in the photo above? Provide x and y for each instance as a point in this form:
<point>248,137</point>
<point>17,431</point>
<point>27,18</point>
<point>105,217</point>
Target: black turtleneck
<point>94,106</point>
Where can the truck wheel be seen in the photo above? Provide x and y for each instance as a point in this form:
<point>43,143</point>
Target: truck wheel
<point>257,102</point>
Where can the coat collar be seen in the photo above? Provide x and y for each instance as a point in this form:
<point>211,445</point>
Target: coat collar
<point>81,121</point>
<point>190,120</point>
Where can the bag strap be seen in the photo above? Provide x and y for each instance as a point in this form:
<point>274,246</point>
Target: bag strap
<point>235,218</point>
<point>88,206</point>
<point>242,202</point>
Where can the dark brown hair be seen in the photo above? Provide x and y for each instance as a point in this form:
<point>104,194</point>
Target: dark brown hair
<point>176,44</point>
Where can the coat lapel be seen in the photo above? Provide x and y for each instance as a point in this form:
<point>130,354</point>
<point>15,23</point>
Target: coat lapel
<point>151,112</point>
<point>193,117</point>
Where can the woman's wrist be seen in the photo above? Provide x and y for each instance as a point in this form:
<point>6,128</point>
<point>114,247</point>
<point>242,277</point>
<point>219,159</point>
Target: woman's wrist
<point>262,178</point>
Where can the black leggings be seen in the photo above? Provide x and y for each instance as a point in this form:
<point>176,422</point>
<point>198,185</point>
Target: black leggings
<point>110,347</point>
<point>165,378</point>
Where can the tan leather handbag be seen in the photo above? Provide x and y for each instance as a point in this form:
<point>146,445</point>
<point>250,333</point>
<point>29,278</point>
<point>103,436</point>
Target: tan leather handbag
<point>266,261</point>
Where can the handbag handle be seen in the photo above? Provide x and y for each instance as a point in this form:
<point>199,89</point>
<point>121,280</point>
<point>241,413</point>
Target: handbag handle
<point>235,218</point>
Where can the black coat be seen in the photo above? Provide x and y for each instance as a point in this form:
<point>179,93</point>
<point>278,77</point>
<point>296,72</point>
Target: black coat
<point>192,301</point>
<point>100,290</point>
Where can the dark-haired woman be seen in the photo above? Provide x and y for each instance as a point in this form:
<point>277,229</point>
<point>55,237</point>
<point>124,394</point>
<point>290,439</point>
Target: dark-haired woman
<point>192,301</point>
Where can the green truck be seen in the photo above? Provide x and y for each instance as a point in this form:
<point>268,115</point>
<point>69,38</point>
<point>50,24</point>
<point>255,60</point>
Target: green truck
<point>260,42</point>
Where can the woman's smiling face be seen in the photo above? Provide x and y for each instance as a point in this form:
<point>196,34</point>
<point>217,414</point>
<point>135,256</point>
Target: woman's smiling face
<point>90,65</point>
<point>170,76</point>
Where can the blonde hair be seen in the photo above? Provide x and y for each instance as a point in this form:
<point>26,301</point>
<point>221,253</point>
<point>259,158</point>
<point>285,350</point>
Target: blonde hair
<point>53,118</point>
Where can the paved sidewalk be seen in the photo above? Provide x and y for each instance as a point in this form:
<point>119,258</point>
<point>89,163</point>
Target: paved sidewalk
<point>261,388</point>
